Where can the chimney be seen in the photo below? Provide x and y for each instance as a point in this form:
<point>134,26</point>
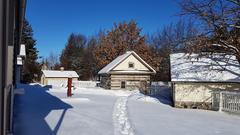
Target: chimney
<point>61,68</point>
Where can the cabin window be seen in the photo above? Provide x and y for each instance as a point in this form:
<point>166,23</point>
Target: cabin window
<point>123,85</point>
<point>130,65</point>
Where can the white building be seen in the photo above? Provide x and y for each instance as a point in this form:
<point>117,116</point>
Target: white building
<point>57,77</point>
<point>195,78</point>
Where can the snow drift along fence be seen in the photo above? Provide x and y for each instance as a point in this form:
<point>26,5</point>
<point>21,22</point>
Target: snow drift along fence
<point>155,89</point>
<point>226,101</point>
<point>159,89</point>
<point>84,84</point>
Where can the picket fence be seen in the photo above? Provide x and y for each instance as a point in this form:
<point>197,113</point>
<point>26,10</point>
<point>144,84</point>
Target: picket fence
<point>226,101</point>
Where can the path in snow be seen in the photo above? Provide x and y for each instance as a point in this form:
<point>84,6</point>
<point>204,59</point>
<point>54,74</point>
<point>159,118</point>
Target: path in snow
<point>122,126</point>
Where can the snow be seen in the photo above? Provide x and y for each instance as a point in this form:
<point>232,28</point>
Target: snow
<point>75,100</point>
<point>133,94</point>
<point>120,118</point>
<point>112,64</point>
<point>43,112</point>
<point>119,59</point>
<point>216,68</point>
<point>92,91</point>
<point>156,119</point>
<point>95,111</point>
<point>55,73</point>
<point>136,95</point>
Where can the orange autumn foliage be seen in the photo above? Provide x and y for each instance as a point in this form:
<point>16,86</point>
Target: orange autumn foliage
<point>123,37</point>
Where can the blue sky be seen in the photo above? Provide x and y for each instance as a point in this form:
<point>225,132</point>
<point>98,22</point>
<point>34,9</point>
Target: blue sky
<point>54,20</point>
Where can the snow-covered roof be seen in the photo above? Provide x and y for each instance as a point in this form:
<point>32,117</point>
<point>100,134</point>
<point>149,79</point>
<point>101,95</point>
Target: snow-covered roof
<point>121,58</point>
<point>22,50</point>
<point>214,68</point>
<point>58,73</point>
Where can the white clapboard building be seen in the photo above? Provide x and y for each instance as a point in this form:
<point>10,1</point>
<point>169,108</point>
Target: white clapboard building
<point>195,78</point>
<point>57,77</point>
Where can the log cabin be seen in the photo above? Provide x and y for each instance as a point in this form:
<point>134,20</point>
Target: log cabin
<point>128,71</point>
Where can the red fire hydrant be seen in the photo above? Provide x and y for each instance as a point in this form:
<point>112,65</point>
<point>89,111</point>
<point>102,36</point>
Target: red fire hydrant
<point>69,91</point>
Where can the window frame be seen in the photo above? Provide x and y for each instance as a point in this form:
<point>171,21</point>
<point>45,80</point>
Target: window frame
<point>131,63</point>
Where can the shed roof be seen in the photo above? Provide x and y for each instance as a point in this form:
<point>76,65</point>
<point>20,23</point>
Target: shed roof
<point>120,59</point>
<point>58,73</point>
<point>212,68</point>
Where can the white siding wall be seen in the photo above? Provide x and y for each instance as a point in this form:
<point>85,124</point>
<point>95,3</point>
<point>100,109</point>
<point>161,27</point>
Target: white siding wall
<point>199,92</point>
<point>137,65</point>
<point>58,82</point>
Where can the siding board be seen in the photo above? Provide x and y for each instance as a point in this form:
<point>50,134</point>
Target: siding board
<point>185,93</point>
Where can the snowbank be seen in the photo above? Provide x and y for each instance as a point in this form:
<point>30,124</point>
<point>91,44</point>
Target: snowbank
<point>75,100</point>
<point>136,95</point>
<point>133,95</point>
<point>94,91</point>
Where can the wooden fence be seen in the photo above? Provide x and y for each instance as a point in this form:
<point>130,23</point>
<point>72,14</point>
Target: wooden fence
<point>226,101</point>
<point>160,90</point>
<point>84,84</point>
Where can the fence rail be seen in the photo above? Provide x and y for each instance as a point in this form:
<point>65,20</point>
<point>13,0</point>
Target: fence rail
<point>155,89</point>
<point>226,101</point>
<point>84,84</point>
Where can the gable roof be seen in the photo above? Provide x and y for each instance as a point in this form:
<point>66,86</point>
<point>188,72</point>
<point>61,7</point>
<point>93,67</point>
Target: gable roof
<point>58,74</point>
<point>215,68</point>
<point>120,59</point>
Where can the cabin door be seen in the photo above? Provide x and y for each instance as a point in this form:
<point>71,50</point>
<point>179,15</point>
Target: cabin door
<point>123,84</point>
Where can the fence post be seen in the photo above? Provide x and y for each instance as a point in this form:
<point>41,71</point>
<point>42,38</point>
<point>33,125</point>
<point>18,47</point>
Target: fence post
<point>220,101</point>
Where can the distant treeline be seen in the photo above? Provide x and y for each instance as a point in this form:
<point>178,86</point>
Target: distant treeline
<point>88,56</point>
<point>205,26</point>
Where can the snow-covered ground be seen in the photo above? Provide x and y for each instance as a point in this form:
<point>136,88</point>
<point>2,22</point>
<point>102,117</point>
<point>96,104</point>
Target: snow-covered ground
<point>159,119</point>
<point>120,118</point>
<point>95,111</point>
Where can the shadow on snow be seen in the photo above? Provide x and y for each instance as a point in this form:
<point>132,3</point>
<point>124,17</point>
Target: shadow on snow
<point>164,95</point>
<point>31,109</point>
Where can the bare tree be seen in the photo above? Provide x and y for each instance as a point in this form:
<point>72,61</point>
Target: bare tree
<point>53,60</point>
<point>170,39</point>
<point>219,21</point>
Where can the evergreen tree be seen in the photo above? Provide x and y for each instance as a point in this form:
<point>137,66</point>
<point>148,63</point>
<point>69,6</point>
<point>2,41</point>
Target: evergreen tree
<point>31,68</point>
<point>72,56</point>
<point>89,63</point>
